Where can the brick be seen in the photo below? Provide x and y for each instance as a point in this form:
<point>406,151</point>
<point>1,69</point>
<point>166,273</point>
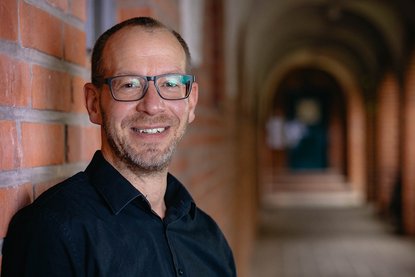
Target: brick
<point>51,90</point>
<point>77,95</point>
<point>78,8</point>
<point>8,145</point>
<point>8,13</point>
<point>15,82</point>
<point>12,199</point>
<point>40,30</point>
<point>75,45</point>
<point>59,4</point>
<point>82,143</point>
<point>43,144</point>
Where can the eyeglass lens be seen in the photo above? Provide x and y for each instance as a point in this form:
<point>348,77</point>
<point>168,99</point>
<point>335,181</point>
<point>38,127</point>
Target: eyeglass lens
<point>171,86</point>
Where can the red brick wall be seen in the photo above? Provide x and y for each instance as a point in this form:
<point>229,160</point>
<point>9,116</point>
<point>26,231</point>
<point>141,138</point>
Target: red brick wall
<point>386,139</point>
<point>408,139</point>
<point>45,134</point>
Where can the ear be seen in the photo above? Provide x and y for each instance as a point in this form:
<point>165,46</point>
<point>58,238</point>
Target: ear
<point>193,97</point>
<point>92,103</point>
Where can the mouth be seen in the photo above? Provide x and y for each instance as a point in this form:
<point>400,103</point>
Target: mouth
<point>150,131</point>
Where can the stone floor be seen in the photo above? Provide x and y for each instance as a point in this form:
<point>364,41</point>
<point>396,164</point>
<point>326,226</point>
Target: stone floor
<point>310,240</point>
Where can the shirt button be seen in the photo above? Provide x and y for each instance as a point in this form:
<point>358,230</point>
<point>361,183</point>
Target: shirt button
<point>180,271</point>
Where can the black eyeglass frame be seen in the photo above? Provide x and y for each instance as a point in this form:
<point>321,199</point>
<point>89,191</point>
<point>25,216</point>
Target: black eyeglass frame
<point>192,79</point>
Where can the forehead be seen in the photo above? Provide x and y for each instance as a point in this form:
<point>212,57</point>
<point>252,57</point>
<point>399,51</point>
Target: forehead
<point>137,44</point>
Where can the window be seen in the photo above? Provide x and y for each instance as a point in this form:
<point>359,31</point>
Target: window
<point>192,27</point>
<point>100,17</point>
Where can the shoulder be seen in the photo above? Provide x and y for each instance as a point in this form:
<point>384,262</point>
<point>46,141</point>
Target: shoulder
<point>57,203</point>
<point>65,189</point>
<point>39,236</point>
<point>52,215</point>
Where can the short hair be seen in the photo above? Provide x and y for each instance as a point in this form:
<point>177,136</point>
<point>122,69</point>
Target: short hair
<point>97,68</point>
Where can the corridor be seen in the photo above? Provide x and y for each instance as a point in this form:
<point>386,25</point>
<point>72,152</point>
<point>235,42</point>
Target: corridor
<point>301,233</point>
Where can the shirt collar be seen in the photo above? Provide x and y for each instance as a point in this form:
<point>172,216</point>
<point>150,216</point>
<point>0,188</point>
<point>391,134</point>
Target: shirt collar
<point>178,200</point>
<point>111,185</point>
<point>118,192</point>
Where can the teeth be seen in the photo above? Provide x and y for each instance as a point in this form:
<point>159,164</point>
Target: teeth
<point>151,131</point>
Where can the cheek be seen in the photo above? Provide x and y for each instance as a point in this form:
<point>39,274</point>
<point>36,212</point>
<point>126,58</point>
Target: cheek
<point>114,112</point>
<point>181,111</point>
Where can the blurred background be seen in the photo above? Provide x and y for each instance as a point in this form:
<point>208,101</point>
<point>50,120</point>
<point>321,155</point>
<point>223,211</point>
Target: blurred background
<point>303,147</point>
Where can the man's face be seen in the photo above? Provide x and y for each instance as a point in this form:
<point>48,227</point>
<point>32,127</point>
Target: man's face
<point>143,134</point>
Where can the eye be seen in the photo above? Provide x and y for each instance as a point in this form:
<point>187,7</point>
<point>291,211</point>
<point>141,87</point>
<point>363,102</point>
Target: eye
<point>126,83</point>
<point>132,83</point>
<point>170,83</point>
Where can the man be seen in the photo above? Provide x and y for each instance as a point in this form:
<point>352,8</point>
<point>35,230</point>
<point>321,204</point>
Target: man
<point>125,215</point>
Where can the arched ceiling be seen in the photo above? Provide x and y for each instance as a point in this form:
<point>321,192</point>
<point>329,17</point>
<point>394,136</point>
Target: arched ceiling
<point>367,37</point>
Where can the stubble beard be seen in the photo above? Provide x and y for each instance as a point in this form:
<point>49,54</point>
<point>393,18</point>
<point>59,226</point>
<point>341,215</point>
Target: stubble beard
<point>150,159</point>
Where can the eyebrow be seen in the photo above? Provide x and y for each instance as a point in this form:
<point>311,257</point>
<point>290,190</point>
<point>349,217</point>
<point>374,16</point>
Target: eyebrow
<point>135,74</point>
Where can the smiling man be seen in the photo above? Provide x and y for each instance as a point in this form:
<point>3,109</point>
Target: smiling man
<point>125,215</point>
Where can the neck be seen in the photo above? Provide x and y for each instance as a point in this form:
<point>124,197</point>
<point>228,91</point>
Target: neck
<point>151,184</point>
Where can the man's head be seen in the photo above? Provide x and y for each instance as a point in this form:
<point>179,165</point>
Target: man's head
<point>140,134</point>
<point>146,23</point>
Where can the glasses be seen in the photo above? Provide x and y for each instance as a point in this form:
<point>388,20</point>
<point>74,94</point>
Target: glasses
<point>133,87</point>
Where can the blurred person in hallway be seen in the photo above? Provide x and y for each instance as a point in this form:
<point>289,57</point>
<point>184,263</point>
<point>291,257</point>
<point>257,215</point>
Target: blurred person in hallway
<point>275,139</point>
<point>125,215</point>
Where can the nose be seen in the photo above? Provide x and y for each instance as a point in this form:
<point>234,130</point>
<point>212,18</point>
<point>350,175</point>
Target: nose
<point>151,103</point>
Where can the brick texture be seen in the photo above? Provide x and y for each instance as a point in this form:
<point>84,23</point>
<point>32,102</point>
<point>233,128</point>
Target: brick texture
<point>33,22</point>
<point>8,155</point>
<point>51,90</point>
<point>77,95</point>
<point>43,144</point>
<point>75,45</point>
<point>78,9</point>
<point>15,82</point>
<point>82,143</point>
<point>8,13</point>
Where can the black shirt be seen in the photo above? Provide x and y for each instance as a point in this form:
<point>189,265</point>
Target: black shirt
<point>97,224</point>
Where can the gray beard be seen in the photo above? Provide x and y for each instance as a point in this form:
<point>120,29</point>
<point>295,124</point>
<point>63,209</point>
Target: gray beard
<point>137,162</point>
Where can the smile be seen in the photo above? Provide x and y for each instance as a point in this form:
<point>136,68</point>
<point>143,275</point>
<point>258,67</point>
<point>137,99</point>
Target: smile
<point>150,131</point>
